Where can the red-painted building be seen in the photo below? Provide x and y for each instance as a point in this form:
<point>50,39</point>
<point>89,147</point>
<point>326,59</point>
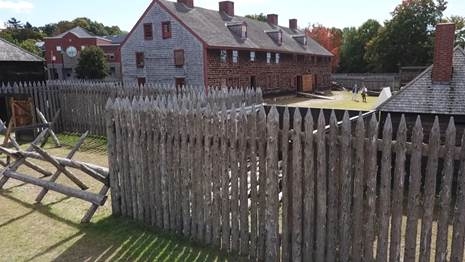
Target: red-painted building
<point>62,52</point>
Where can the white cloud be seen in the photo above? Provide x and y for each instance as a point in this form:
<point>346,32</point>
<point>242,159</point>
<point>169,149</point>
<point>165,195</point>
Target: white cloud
<point>17,6</point>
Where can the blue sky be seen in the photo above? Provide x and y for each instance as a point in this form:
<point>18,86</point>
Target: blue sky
<point>338,13</point>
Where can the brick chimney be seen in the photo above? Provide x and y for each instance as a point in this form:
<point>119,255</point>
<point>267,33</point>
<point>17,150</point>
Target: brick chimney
<point>188,3</point>
<point>293,24</point>
<point>227,7</point>
<point>272,19</point>
<point>443,53</point>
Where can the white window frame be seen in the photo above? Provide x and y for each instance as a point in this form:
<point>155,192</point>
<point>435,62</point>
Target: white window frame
<point>268,57</point>
<point>277,58</point>
<point>224,56</point>
<point>252,56</point>
<point>235,56</point>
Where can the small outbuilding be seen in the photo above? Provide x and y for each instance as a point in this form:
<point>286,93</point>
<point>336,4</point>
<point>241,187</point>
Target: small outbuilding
<point>19,65</point>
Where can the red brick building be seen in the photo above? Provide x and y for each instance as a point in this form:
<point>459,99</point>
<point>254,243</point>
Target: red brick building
<point>62,52</point>
<point>179,43</point>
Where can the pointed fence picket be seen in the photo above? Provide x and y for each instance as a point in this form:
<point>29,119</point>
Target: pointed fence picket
<point>234,178</point>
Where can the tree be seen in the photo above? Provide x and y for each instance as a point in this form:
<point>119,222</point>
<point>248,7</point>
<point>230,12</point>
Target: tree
<point>406,39</point>
<point>459,22</point>
<point>354,47</point>
<point>30,45</point>
<point>329,38</point>
<point>14,23</point>
<point>92,64</point>
<point>259,17</point>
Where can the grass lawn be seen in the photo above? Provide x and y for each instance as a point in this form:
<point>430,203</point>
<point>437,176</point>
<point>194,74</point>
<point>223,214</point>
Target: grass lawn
<point>52,230</point>
<point>342,100</point>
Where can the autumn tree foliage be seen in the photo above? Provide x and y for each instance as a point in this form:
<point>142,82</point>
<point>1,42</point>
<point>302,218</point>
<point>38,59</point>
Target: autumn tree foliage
<point>329,38</point>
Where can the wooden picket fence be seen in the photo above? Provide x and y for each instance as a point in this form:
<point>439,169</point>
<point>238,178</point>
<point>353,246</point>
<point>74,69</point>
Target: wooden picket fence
<point>82,103</point>
<point>239,180</point>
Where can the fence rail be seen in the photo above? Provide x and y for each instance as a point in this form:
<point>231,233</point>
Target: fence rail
<point>240,182</point>
<point>82,103</point>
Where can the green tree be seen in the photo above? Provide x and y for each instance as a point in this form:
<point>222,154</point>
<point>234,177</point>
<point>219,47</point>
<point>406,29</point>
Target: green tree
<point>354,47</point>
<point>459,22</point>
<point>259,17</point>
<point>92,64</point>
<point>30,45</point>
<point>14,23</point>
<point>406,39</point>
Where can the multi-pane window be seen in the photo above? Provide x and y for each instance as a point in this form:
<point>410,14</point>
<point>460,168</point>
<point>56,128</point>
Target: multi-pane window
<point>244,31</point>
<point>280,37</point>
<point>277,57</point>
<point>140,60</point>
<point>223,56</point>
<point>235,56</point>
<point>179,57</point>
<point>148,31</point>
<point>166,29</point>
<point>252,56</point>
<point>268,58</point>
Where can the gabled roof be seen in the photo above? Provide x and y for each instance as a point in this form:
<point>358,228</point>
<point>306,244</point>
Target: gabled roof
<point>211,27</point>
<point>77,31</point>
<point>423,97</point>
<point>116,39</point>
<point>13,53</point>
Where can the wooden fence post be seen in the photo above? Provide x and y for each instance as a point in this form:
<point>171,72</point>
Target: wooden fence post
<point>286,210</point>
<point>333,190</point>
<point>458,238</point>
<point>321,185</point>
<point>308,190</point>
<point>297,199</point>
<point>359,174</point>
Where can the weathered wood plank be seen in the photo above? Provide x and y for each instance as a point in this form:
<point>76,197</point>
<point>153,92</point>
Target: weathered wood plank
<point>445,195</point>
<point>333,189</point>
<point>263,173</point>
<point>398,192</point>
<point>252,127</point>
<point>414,193</point>
<point>244,184</point>
<point>458,237</point>
<point>359,174</point>
<point>272,198</point>
<point>308,190</point>
<point>385,194</point>
<point>297,205</point>
<point>234,182</point>
<point>286,179</point>
<point>345,218</point>
<point>371,182</point>
<point>321,189</point>
<point>225,205</point>
<point>429,193</point>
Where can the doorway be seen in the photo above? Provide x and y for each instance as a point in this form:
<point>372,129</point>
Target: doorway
<point>253,82</point>
<point>299,83</point>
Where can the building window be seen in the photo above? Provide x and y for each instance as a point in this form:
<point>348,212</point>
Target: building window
<point>277,57</point>
<point>223,56</point>
<point>148,31</point>
<point>179,57</point>
<point>235,56</point>
<point>252,56</point>
<point>166,29</point>
<point>140,60</point>
<point>112,71</point>
<point>280,37</point>
<point>268,58</point>
<point>244,32</point>
<point>141,81</point>
<point>110,57</point>
<point>180,82</point>
<point>58,48</point>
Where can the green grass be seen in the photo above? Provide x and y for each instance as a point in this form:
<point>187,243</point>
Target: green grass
<point>51,231</point>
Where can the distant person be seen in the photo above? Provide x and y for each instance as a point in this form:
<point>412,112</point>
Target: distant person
<point>354,93</point>
<point>364,94</point>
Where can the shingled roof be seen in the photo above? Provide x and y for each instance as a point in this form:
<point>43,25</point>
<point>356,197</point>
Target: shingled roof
<point>13,53</point>
<point>423,97</point>
<point>211,27</point>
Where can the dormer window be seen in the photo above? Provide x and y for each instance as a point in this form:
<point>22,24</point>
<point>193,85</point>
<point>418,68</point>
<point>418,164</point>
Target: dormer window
<point>238,28</point>
<point>244,31</point>
<point>302,39</point>
<point>276,35</point>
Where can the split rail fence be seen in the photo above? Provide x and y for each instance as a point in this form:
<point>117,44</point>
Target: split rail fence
<point>82,103</point>
<point>238,181</point>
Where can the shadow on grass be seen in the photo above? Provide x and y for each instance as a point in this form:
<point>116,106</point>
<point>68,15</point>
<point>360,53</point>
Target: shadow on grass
<point>118,239</point>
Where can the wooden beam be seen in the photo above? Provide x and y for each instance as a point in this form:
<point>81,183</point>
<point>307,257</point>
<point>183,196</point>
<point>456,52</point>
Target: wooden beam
<point>55,176</point>
<point>51,132</point>
<point>67,173</point>
<point>87,196</point>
